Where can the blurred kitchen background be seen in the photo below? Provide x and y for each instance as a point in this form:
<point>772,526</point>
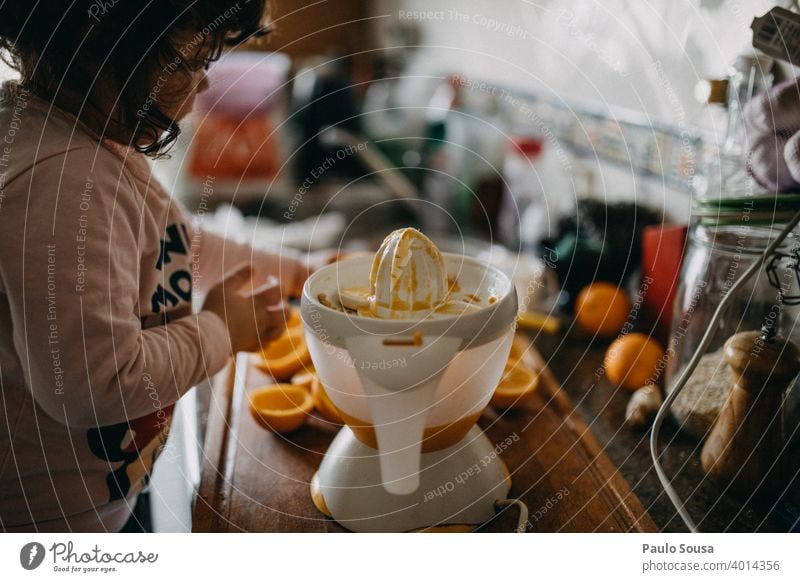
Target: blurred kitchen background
<point>574,82</point>
<point>480,122</point>
<point>563,141</point>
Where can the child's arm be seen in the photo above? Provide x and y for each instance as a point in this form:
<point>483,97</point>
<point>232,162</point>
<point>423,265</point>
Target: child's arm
<point>75,302</point>
<point>215,255</point>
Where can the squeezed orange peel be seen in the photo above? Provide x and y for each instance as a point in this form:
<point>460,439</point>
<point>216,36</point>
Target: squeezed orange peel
<point>518,381</point>
<point>305,377</point>
<point>323,403</point>
<point>294,322</point>
<point>519,346</point>
<point>288,354</point>
<point>280,407</point>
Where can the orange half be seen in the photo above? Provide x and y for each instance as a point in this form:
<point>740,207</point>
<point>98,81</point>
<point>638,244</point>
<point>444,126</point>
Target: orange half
<point>305,377</point>
<point>281,407</point>
<point>519,346</point>
<point>322,402</point>
<point>285,356</point>
<point>294,321</point>
<point>516,385</point>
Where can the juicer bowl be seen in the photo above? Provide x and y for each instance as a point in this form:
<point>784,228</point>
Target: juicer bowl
<point>405,386</point>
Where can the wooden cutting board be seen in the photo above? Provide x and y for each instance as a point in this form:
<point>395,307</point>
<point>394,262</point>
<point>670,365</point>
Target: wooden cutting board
<point>255,480</point>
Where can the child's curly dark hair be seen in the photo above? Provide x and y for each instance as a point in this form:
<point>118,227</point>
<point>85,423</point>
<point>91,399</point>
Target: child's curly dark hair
<point>68,51</point>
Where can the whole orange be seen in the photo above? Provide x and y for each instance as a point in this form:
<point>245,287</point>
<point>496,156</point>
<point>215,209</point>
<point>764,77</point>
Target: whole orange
<point>602,308</point>
<point>633,361</point>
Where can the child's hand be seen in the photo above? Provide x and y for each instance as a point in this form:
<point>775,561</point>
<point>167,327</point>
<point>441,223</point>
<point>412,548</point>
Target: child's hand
<point>253,316</point>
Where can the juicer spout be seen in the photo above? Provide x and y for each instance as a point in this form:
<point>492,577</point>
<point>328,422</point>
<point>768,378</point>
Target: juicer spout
<point>399,401</point>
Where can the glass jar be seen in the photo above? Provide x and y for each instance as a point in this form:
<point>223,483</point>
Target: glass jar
<point>727,236</point>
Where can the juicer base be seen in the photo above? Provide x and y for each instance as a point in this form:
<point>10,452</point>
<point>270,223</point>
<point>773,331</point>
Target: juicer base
<point>459,485</point>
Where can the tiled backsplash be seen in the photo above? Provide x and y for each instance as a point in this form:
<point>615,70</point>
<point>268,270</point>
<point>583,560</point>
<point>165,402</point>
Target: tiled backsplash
<point>597,140</point>
<point>626,139</point>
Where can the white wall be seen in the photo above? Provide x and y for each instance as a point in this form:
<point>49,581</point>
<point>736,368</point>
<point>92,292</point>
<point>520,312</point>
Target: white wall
<point>643,55</point>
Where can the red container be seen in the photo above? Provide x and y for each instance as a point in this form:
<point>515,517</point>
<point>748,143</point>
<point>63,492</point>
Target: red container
<point>662,254</point>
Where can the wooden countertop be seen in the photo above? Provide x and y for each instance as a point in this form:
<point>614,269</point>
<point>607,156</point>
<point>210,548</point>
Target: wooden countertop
<point>575,359</point>
<point>258,481</point>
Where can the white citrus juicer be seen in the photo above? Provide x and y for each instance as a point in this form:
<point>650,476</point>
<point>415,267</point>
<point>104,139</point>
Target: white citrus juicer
<point>410,388</point>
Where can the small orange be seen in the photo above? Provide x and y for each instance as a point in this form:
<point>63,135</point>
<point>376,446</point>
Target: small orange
<point>518,382</point>
<point>602,308</point>
<point>285,356</point>
<point>280,407</point>
<point>633,361</point>
<point>322,402</point>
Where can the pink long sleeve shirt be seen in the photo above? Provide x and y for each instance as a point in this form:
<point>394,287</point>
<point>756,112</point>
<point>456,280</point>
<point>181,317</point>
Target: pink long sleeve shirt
<point>98,267</point>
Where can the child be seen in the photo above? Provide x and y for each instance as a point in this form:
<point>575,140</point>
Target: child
<point>98,264</point>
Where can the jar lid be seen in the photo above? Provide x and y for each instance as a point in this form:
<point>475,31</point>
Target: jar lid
<point>746,210</point>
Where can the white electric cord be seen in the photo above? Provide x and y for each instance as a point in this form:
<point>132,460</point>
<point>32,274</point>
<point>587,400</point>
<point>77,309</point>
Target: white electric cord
<point>522,521</point>
<point>687,372</point>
